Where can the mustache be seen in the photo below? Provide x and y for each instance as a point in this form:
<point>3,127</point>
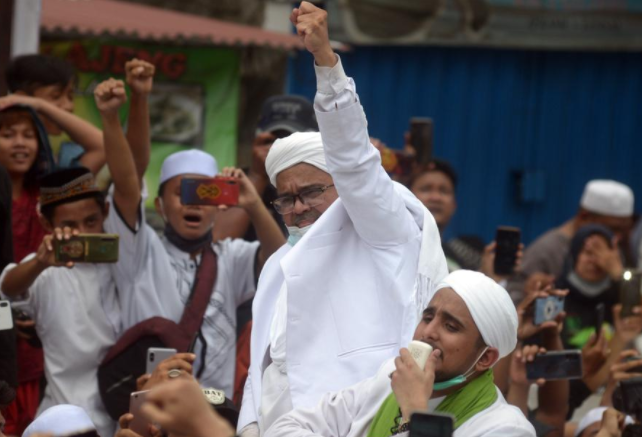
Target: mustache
<point>310,215</point>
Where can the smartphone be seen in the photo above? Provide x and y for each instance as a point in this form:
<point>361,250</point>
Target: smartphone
<point>547,308</point>
<point>421,138</point>
<point>155,355</point>
<point>139,424</point>
<point>631,390</point>
<point>6,319</point>
<point>599,319</point>
<point>431,425</point>
<point>630,292</point>
<point>555,365</point>
<point>210,191</point>
<point>507,241</point>
<point>88,248</point>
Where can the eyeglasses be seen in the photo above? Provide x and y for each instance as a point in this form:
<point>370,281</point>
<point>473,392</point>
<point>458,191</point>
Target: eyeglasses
<point>310,197</point>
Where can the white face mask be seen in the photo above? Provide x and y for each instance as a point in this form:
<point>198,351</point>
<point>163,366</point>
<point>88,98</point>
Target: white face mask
<point>296,233</point>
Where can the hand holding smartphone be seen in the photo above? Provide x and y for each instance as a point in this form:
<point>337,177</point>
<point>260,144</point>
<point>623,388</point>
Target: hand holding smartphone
<point>210,191</point>
<point>155,355</point>
<point>555,365</point>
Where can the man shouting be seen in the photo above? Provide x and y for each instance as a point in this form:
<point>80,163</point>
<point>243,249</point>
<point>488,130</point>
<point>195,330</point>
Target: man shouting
<point>362,255</point>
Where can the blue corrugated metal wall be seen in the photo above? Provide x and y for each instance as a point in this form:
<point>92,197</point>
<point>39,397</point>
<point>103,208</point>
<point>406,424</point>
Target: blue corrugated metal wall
<point>573,116</point>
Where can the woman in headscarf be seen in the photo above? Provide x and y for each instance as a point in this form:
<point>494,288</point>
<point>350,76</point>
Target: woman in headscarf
<point>591,274</point>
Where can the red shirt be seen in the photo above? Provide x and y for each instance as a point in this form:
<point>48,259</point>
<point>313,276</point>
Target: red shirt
<point>27,236</point>
<point>27,230</point>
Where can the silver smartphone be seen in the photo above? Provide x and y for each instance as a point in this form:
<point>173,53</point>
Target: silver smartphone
<point>157,354</point>
<point>6,319</point>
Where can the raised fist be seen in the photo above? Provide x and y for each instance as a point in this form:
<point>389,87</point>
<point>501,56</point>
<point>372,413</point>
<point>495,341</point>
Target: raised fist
<point>110,96</point>
<point>140,76</point>
<point>312,26</point>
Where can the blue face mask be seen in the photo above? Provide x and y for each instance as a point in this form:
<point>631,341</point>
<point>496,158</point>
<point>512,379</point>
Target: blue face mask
<point>296,234</point>
<point>443,385</point>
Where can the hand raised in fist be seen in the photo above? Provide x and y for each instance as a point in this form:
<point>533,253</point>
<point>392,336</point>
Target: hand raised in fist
<point>312,26</point>
<point>110,96</point>
<point>140,76</point>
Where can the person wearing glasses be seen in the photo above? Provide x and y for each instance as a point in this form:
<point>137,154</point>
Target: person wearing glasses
<point>343,294</point>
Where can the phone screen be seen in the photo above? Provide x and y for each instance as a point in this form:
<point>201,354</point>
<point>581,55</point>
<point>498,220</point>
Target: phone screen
<point>421,138</point>
<point>630,292</point>
<point>431,425</point>
<point>209,191</point>
<point>555,365</point>
<point>507,240</point>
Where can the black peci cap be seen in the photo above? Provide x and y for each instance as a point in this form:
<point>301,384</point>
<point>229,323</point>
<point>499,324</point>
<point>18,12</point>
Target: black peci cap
<point>287,113</point>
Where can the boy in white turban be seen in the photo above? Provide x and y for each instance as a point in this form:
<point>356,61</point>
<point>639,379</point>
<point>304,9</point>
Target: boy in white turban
<point>471,323</point>
<point>340,297</point>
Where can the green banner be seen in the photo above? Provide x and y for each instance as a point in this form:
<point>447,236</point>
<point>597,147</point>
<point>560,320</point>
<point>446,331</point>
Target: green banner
<point>194,103</point>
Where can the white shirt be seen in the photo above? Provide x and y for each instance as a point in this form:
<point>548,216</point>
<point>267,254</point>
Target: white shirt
<point>155,278</point>
<point>277,331</point>
<point>78,320</point>
<point>356,267</point>
<point>349,413</point>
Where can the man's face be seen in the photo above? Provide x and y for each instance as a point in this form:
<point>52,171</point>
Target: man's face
<point>299,178</point>
<point>189,221</point>
<point>85,215</point>
<point>62,97</point>
<point>436,192</point>
<point>448,326</point>
<point>18,147</point>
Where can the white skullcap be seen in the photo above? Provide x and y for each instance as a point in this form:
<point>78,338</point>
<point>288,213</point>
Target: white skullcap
<point>188,162</point>
<point>490,306</point>
<point>61,420</point>
<point>607,197</point>
<point>300,147</point>
<point>594,416</point>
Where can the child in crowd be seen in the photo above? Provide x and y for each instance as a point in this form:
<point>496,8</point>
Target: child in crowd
<point>47,85</point>
<point>155,274</point>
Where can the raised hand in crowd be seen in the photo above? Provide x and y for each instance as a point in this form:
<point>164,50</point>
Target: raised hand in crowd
<point>177,366</point>
<point>629,365</point>
<point>526,314</point>
<point>487,265</point>
<point>139,76</point>
<point>607,257</point>
<point>109,96</point>
<point>595,353</point>
<point>311,25</point>
<point>18,283</point>
<point>181,410</point>
<point>519,383</point>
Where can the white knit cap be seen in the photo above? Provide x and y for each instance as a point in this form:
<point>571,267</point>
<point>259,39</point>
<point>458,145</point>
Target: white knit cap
<point>593,416</point>
<point>188,162</point>
<point>490,306</point>
<point>300,147</point>
<point>61,420</point>
<point>607,197</point>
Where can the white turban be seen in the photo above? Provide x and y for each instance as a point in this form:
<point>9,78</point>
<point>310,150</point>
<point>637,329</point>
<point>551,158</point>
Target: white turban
<point>61,420</point>
<point>300,147</point>
<point>593,416</point>
<point>490,306</point>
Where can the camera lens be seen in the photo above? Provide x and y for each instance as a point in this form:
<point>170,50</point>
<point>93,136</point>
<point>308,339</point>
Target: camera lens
<point>4,304</point>
<point>151,357</point>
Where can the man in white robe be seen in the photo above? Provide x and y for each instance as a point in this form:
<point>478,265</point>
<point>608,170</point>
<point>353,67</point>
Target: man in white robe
<point>471,323</point>
<point>343,295</point>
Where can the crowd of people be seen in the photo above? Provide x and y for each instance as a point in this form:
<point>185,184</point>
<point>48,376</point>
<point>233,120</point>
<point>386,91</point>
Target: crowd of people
<point>291,312</point>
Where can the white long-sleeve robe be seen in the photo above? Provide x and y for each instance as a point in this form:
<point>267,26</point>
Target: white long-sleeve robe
<point>349,413</point>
